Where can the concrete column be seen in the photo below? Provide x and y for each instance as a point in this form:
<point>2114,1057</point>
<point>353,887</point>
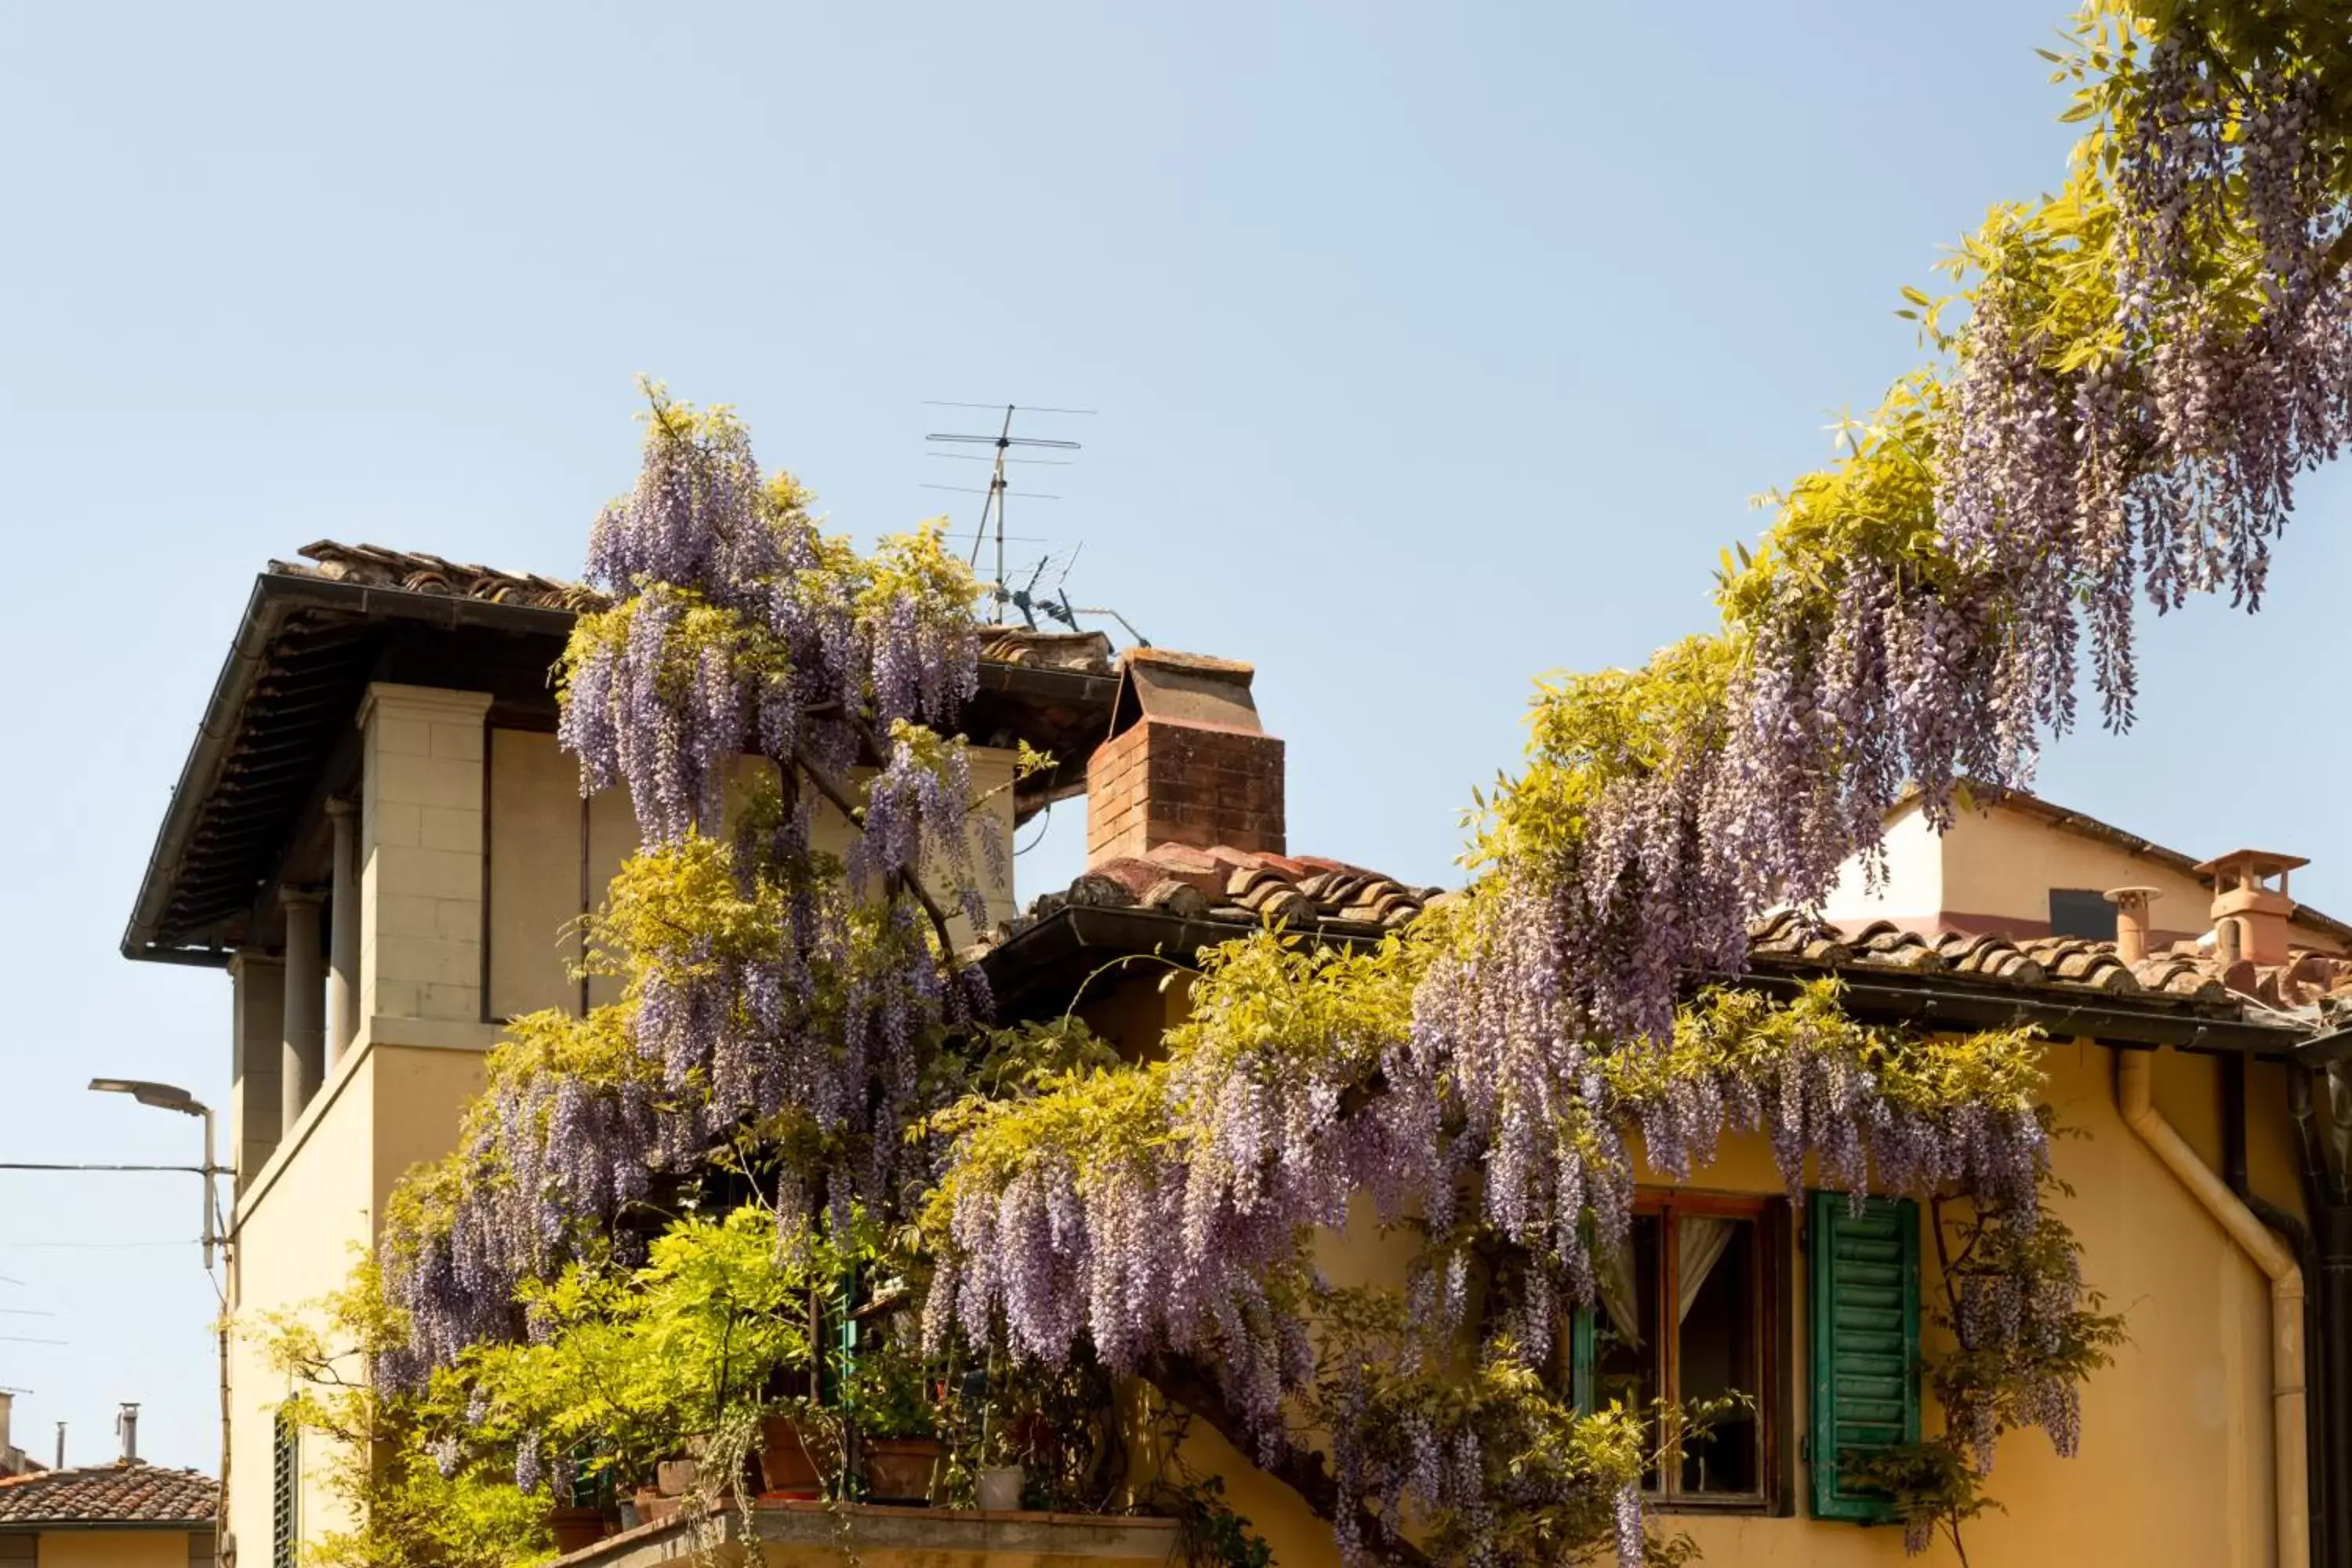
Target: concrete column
<point>421,853</point>
<point>258,1008</point>
<point>302,1061</point>
<point>344,933</point>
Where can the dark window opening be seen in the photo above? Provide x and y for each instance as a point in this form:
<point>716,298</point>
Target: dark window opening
<point>1693,1311</point>
<point>2083,913</point>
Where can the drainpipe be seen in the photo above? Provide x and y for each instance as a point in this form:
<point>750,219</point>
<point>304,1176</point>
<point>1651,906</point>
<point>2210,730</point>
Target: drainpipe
<point>2326,1411</point>
<point>2290,1475</point>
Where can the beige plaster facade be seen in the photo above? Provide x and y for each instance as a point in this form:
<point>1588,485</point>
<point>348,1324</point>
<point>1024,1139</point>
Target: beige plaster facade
<point>1996,867</point>
<point>476,856</point>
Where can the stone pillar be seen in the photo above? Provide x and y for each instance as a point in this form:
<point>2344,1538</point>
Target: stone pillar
<point>258,1011</point>
<point>421,848</point>
<point>302,1060</point>
<point>343,933</point>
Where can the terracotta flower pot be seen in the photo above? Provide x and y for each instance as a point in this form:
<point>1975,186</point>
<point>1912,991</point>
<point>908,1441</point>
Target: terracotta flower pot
<point>899,1469</point>
<point>653,1508</point>
<point>576,1529</point>
<point>788,1451</point>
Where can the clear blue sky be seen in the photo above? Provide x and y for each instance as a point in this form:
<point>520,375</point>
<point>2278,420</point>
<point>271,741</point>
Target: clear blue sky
<point>1434,347</point>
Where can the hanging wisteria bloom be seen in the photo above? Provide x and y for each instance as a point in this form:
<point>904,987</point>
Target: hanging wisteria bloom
<point>746,669</point>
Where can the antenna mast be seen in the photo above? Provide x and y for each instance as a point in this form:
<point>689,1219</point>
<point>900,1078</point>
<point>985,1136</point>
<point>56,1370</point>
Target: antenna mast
<point>991,507</point>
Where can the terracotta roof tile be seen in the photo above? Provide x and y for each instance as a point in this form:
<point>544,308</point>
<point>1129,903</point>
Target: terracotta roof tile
<point>140,1494</point>
<point>1243,889</point>
<point>1308,893</point>
<point>414,571</point>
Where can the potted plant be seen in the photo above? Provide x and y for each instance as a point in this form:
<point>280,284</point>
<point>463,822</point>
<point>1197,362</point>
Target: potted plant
<point>891,1406</point>
<point>799,1447</point>
<point>654,1363</point>
<point>999,1487</point>
<point>580,1518</point>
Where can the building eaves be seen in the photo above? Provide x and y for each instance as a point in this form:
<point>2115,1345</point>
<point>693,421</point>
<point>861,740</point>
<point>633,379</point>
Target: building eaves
<point>1175,902</point>
<point>309,642</point>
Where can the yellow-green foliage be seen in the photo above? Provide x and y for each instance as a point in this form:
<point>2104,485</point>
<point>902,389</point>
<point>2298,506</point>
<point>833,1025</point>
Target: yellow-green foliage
<point>376,1461</point>
<point>631,1363</point>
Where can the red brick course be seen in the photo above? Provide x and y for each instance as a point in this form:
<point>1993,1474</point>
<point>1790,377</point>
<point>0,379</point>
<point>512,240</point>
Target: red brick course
<point>1164,782</point>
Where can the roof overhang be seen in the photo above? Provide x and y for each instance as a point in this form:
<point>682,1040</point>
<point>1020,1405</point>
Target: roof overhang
<point>1043,965</point>
<point>287,695</point>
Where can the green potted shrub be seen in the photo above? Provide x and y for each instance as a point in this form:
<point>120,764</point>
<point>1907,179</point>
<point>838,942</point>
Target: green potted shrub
<point>890,1403</point>
<point>664,1368</point>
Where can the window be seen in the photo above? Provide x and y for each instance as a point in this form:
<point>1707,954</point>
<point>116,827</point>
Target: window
<point>285,1492</point>
<point>1694,1309</point>
<point>2082,911</point>
<point>1863,1299</point>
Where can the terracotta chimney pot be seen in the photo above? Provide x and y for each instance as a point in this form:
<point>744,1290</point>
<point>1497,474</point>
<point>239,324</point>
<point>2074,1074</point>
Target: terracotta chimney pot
<point>2247,904</point>
<point>2131,923</point>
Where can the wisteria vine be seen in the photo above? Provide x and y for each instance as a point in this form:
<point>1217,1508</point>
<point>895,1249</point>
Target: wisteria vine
<point>2149,360</point>
<point>1172,1208</point>
<point>747,667</point>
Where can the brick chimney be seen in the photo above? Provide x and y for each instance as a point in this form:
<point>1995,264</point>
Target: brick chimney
<point>2251,902</point>
<point>1187,761</point>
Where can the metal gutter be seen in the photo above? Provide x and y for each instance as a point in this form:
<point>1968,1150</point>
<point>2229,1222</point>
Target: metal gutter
<point>2290,1412</point>
<point>2325,1048</point>
<point>1941,1001</point>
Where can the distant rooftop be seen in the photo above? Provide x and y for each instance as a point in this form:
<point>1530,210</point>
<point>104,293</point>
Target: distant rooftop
<point>127,1494</point>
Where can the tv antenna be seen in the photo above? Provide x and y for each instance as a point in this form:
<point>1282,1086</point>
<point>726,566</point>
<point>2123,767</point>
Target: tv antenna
<point>999,487</point>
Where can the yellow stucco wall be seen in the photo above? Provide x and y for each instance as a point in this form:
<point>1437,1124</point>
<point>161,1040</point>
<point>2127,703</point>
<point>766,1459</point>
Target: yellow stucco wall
<point>114,1549</point>
<point>2175,1466</point>
<point>299,1230</point>
<point>2001,862</point>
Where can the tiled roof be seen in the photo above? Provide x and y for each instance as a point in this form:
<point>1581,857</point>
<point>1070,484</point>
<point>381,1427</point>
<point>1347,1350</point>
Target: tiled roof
<point>1244,889</point>
<point>107,1494</point>
<point>1309,893</point>
<point>412,572</point>
<point>371,565</point>
<point>2184,970</point>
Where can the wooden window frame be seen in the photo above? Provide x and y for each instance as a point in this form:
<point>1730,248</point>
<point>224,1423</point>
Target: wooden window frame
<point>1770,1262</point>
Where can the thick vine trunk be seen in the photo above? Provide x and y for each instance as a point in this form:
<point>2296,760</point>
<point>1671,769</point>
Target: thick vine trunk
<point>1186,1382</point>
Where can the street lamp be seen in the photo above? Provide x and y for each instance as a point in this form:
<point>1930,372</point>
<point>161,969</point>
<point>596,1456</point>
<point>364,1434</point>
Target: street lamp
<point>171,1097</point>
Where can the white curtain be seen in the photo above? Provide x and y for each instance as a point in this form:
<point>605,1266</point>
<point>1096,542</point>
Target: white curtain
<point>1700,1242</point>
<point>1619,1297</point>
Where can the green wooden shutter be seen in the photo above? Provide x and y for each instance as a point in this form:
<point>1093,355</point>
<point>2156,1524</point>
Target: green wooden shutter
<point>1865,1304</point>
<point>285,1492</point>
<point>1579,1360</point>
